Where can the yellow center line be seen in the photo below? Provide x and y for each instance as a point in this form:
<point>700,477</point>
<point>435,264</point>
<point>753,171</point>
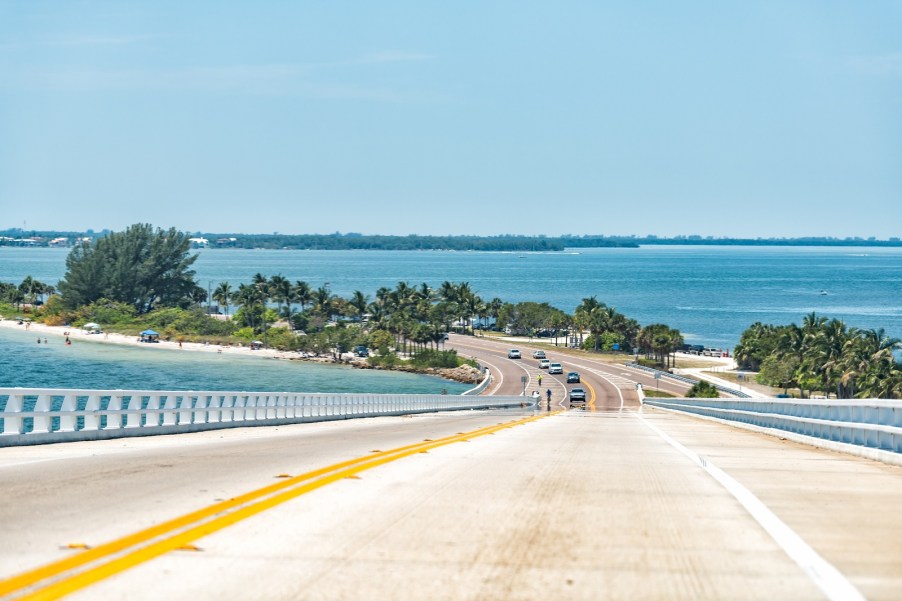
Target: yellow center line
<point>243,508</point>
<point>591,397</point>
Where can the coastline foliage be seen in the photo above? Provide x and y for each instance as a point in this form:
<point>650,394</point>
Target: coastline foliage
<point>702,390</point>
<point>141,279</point>
<point>823,355</point>
<point>504,242</point>
<point>145,268</point>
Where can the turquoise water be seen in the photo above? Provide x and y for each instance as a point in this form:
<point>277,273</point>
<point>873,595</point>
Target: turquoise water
<point>711,294</point>
<point>25,363</point>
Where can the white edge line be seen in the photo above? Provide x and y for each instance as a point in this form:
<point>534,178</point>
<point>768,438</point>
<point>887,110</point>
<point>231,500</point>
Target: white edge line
<point>826,577</point>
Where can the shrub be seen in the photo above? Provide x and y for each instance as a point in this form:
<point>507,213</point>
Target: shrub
<point>433,358</point>
<point>702,390</point>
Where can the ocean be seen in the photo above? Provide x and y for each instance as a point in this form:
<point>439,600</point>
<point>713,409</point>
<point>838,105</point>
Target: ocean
<point>710,293</point>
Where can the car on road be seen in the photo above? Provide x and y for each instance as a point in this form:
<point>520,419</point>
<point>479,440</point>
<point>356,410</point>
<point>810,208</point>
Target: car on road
<point>577,397</point>
<point>555,368</point>
<point>544,364</point>
<point>538,354</point>
<point>573,377</point>
<point>513,354</point>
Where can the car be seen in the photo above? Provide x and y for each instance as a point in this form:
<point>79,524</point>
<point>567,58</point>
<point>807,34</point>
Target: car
<point>573,377</point>
<point>361,351</point>
<point>544,364</point>
<point>577,397</point>
<point>513,354</point>
<point>538,354</point>
<point>555,368</point>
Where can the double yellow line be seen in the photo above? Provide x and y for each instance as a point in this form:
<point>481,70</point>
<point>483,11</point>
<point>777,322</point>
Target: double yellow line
<point>63,577</point>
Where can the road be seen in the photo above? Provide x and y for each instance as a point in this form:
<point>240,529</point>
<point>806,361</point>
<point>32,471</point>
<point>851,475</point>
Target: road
<point>559,505</point>
<point>610,387</point>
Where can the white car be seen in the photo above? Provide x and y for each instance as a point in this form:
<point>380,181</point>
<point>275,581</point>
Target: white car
<point>555,368</point>
<point>544,363</point>
<point>513,354</point>
<point>538,354</point>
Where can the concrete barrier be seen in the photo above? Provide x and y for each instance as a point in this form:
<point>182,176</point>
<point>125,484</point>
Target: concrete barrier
<point>869,428</point>
<point>39,416</point>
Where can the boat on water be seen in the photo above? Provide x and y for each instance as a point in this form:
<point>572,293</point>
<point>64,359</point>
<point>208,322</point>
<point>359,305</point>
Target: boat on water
<point>823,293</point>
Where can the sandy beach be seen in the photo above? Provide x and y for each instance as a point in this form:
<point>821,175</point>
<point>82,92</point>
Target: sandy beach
<point>78,336</point>
<point>464,374</point>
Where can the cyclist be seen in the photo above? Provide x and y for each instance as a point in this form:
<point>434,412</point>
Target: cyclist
<point>548,395</point>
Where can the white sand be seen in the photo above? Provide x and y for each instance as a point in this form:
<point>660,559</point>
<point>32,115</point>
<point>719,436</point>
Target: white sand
<point>77,335</point>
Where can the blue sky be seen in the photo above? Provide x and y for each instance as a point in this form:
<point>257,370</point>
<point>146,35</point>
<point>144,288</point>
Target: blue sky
<point>724,118</point>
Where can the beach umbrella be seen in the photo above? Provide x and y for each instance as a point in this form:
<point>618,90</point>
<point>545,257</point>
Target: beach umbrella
<point>150,333</point>
<point>90,326</point>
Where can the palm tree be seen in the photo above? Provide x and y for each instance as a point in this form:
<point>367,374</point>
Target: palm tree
<point>280,289</point>
<point>322,301</point>
<point>303,294</point>
<point>223,294</point>
<point>262,285</point>
<point>359,301</point>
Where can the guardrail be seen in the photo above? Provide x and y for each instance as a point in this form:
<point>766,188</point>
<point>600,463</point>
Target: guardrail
<point>867,428</point>
<point>481,386</point>
<point>39,416</point>
<point>667,374</point>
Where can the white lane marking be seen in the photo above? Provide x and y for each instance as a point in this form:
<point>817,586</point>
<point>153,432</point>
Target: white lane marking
<point>603,377</point>
<point>822,573</point>
<point>500,374</point>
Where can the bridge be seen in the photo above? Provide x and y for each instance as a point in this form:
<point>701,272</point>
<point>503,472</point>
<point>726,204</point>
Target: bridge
<point>631,498</point>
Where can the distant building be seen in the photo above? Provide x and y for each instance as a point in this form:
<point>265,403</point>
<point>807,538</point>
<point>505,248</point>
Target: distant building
<point>198,242</point>
<point>226,241</point>
<point>59,242</point>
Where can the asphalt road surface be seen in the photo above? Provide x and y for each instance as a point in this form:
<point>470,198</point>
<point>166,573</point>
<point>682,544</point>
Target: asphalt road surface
<point>474,505</point>
<point>609,386</point>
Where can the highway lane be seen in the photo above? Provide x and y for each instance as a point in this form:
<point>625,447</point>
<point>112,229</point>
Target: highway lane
<point>576,505</point>
<point>613,385</point>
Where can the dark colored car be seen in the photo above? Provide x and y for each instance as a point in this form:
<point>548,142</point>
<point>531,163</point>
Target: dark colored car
<point>577,397</point>
<point>573,377</point>
<point>361,351</point>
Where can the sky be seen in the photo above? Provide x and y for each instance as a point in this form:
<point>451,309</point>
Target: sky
<point>721,117</point>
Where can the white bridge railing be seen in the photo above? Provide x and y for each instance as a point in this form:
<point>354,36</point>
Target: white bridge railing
<point>38,416</point>
<point>867,428</point>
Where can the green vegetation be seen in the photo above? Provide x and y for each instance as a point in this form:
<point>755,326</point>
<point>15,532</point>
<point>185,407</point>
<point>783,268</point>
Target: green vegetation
<point>143,268</point>
<point>702,390</point>
<point>510,243</point>
<point>141,278</point>
<point>823,355</point>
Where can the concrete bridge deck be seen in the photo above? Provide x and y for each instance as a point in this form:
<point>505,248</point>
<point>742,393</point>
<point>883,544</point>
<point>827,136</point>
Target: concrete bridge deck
<point>576,505</point>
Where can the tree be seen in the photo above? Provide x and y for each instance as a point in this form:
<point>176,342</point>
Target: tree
<point>303,294</point>
<point>140,266</point>
<point>702,390</point>
<point>223,295</point>
<point>280,290</point>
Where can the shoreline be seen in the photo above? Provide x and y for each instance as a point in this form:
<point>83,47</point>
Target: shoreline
<point>77,335</point>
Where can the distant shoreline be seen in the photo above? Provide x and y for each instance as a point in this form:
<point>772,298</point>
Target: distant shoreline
<point>500,243</point>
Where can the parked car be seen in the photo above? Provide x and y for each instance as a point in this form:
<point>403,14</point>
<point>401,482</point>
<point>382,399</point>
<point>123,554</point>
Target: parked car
<point>544,364</point>
<point>513,354</point>
<point>577,397</point>
<point>555,368</point>
<point>573,377</point>
<point>361,351</point>
<point>538,354</point>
